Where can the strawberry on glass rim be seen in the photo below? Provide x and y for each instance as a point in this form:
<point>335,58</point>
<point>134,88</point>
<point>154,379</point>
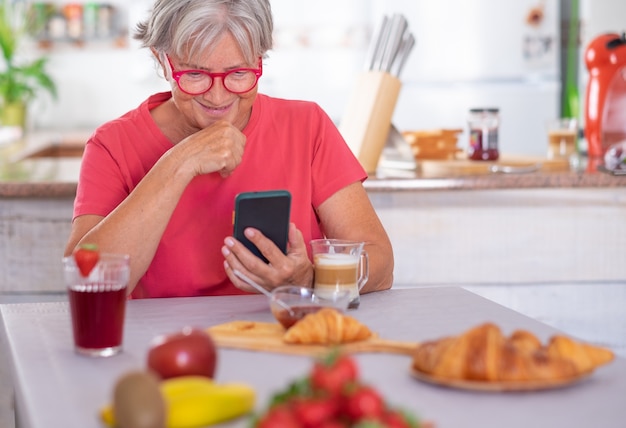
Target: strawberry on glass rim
<point>86,257</point>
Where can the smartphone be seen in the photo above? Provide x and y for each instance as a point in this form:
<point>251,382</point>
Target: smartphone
<point>267,211</point>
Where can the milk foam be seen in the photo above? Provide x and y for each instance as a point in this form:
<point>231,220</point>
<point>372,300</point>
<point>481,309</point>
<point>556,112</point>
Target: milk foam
<point>336,259</point>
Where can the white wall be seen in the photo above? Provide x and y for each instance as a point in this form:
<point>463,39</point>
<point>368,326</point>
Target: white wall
<point>95,86</point>
<point>601,16</point>
<point>99,81</point>
<point>317,57</point>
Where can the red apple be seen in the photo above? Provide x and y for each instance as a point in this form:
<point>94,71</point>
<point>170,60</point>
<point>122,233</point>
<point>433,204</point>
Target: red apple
<point>188,352</point>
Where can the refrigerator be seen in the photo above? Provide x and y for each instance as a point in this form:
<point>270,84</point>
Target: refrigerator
<point>480,53</point>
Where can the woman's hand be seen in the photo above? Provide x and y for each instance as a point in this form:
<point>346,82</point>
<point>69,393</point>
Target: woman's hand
<point>294,268</point>
<point>217,148</point>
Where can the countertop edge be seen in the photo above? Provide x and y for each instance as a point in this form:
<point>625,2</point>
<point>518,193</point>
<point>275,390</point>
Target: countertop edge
<point>56,177</point>
<point>52,189</point>
<point>498,181</point>
<point>24,190</point>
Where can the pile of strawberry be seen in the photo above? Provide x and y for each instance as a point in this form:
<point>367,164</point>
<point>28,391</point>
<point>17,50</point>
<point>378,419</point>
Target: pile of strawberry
<point>332,396</point>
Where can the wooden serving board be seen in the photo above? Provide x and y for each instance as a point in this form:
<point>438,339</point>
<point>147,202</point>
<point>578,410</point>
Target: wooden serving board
<point>463,166</point>
<point>268,337</point>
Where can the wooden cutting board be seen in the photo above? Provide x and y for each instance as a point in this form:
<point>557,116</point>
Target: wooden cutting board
<point>268,337</point>
<point>463,166</point>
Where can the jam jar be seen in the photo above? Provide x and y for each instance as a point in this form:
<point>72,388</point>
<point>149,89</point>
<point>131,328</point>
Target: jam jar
<point>483,134</point>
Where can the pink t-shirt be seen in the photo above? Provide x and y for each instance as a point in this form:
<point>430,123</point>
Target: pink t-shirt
<point>290,145</point>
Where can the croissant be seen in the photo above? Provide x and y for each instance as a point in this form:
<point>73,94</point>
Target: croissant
<point>326,327</point>
<point>525,341</point>
<point>584,356</point>
<point>483,353</point>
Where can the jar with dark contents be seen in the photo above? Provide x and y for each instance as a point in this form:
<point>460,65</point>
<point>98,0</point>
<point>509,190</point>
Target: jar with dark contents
<point>483,134</point>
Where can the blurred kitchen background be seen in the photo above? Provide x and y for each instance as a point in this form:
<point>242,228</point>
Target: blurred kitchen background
<point>477,53</point>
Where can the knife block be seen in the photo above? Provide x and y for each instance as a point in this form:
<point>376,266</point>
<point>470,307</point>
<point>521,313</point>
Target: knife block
<point>367,119</point>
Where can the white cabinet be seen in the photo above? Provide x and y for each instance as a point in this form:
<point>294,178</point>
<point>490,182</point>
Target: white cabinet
<point>505,236</point>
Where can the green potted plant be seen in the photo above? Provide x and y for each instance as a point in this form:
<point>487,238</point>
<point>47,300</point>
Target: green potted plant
<point>19,82</point>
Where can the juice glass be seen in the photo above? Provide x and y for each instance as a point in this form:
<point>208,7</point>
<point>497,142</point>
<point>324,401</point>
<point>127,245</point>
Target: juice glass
<point>98,304</point>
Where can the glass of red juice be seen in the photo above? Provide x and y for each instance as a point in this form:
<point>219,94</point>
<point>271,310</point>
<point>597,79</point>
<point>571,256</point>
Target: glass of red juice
<point>98,304</point>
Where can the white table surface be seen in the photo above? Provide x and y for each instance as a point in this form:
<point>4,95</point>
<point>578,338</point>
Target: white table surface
<point>54,387</point>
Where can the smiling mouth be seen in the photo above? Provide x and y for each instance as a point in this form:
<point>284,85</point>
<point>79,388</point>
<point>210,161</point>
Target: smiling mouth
<point>217,111</point>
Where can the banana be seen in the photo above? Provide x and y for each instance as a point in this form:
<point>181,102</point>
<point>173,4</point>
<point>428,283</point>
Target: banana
<point>183,384</point>
<point>107,416</point>
<point>197,401</point>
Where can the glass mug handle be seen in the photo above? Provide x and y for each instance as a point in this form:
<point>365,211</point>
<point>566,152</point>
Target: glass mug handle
<point>364,270</point>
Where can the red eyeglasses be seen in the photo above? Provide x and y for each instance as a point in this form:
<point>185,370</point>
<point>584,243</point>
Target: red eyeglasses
<point>196,82</point>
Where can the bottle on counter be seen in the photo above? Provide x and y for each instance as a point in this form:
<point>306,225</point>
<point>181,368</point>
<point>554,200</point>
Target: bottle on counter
<point>483,134</point>
<point>90,19</point>
<point>73,13</point>
<point>57,26</point>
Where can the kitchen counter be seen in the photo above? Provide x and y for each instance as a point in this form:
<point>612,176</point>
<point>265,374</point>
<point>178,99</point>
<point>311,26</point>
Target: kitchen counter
<point>39,178</point>
<point>46,164</point>
<point>56,177</point>
<point>530,180</point>
<point>43,164</point>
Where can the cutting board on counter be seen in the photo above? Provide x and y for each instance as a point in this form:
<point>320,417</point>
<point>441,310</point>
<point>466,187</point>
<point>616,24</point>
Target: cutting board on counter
<point>511,164</point>
<point>268,337</point>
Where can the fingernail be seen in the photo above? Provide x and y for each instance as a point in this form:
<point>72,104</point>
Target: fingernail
<point>248,232</point>
<point>229,241</point>
<point>225,251</point>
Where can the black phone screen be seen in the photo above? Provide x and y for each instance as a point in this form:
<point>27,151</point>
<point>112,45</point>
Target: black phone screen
<point>267,211</point>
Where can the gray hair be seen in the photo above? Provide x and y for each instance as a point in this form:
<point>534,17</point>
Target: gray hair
<point>182,27</point>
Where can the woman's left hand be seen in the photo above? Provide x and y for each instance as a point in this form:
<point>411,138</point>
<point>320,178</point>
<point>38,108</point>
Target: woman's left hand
<point>293,268</point>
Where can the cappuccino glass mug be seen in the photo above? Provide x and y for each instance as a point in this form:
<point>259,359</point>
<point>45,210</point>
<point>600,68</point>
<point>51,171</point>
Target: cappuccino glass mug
<point>562,138</point>
<point>340,265</point>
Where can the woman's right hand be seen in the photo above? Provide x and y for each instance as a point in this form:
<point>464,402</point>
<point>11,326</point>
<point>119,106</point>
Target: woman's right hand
<point>292,268</point>
<point>217,148</point>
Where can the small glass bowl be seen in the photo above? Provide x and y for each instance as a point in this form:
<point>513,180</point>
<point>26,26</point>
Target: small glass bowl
<point>290,303</point>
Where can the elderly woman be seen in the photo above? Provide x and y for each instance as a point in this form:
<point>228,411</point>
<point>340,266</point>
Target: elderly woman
<point>159,182</point>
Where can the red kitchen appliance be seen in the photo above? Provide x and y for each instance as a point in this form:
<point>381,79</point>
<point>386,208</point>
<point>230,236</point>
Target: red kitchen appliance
<point>605,111</point>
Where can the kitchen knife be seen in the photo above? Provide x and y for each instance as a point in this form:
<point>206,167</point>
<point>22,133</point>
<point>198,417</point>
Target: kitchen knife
<point>373,55</point>
<point>408,42</point>
<point>398,28</point>
<point>382,44</point>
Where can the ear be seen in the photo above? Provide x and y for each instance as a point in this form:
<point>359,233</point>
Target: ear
<point>162,62</point>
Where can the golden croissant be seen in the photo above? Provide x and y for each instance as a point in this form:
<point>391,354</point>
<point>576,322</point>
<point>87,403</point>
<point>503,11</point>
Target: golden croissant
<point>584,356</point>
<point>483,353</point>
<point>326,327</point>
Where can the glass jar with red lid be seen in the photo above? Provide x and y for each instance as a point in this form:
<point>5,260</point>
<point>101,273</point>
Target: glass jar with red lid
<point>483,134</point>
